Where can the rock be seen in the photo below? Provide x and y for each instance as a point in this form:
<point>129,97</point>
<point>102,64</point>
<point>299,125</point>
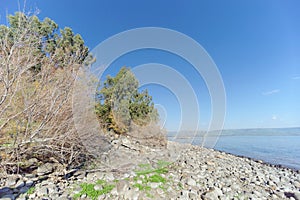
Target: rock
<point>19,184</point>
<point>256,193</point>
<point>297,195</point>
<point>114,191</point>
<point>209,163</point>
<point>154,185</point>
<point>11,181</point>
<point>212,194</point>
<point>5,191</point>
<point>98,187</point>
<point>191,182</point>
<point>132,195</point>
<point>193,196</point>
<point>79,174</point>
<point>122,186</point>
<point>29,183</point>
<point>31,161</point>
<point>45,169</point>
<point>109,177</point>
<point>42,191</point>
<point>297,184</point>
<point>8,197</point>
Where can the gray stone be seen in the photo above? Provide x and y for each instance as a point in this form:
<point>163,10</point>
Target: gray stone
<point>109,177</point>
<point>154,185</point>
<point>32,161</point>
<point>32,196</point>
<point>79,174</point>
<point>5,191</point>
<point>297,195</point>
<point>29,183</point>
<point>212,194</point>
<point>24,189</point>
<point>19,184</point>
<point>11,181</point>
<point>98,187</point>
<point>130,194</point>
<point>30,176</point>
<point>8,197</point>
<point>297,184</point>
<point>52,188</point>
<point>44,169</point>
<point>114,191</point>
<point>122,186</point>
<point>41,191</point>
<point>256,193</point>
<point>191,182</point>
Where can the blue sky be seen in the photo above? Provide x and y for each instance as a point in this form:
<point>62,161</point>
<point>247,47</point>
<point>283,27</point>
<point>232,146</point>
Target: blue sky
<point>255,45</point>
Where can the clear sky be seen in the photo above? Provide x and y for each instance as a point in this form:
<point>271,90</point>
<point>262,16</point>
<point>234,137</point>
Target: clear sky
<point>255,45</point>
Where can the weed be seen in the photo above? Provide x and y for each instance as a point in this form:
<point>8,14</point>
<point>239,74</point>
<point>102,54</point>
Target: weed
<point>89,190</point>
<point>156,178</point>
<point>30,190</point>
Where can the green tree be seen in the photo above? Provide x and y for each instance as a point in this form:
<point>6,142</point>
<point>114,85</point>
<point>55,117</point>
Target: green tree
<point>120,103</point>
<point>59,46</point>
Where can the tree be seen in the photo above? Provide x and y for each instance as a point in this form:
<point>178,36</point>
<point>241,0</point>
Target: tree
<point>120,103</point>
<point>38,67</point>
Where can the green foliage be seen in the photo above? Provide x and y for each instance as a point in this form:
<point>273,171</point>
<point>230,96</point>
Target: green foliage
<point>120,103</point>
<point>89,190</point>
<point>46,39</point>
<point>157,178</point>
<point>142,187</point>
<point>145,175</point>
<point>148,174</point>
<point>162,167</point>
<point>30,190</point>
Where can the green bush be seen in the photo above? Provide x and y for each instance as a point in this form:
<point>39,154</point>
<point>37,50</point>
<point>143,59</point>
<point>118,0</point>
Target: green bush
<point>120,103</point>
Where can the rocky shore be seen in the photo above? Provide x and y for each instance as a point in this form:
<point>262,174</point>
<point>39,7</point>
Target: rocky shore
<point>131,170</point>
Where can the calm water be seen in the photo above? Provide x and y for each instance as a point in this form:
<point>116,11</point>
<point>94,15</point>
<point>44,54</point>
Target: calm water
<point>279,148</point>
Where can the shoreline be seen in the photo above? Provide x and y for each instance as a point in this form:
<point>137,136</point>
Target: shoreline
<point>279,166</point>
<point>177,171</point>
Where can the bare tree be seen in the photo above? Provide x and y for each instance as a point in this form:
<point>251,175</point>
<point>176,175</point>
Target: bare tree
<point>36,87</point>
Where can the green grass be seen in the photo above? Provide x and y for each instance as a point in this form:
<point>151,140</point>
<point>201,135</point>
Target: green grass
<point>145,175</point>
<point>142,187</point>
<point>88,189</point>
<point>148,174</point>
<point>148,169</point>
<point>30,190</point>
<point>157,178</point>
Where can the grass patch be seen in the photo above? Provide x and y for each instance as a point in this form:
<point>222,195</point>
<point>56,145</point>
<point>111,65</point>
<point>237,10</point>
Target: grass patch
<point>30,190</point>
<point>148,169</point>
<point>145,175</point>
<point>89,190</point>
<point>148,174</point>
<point>142,187</point>
<point>157,178</point>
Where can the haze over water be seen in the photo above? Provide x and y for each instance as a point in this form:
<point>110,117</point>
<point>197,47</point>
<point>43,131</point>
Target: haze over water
<point>275,146</point>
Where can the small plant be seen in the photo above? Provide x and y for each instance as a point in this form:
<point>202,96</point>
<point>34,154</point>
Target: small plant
<point>142,187</point>
<point>31,190</point>
<point>162,163</point>
<point>157,178</point>
<point>147,169</point>
<point>89,190</point>
<point>148,174</point>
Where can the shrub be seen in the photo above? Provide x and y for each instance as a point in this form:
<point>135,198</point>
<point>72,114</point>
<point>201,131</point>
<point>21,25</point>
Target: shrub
<point>38,67</point>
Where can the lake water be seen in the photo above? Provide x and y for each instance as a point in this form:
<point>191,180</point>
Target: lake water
<point>281,147</point>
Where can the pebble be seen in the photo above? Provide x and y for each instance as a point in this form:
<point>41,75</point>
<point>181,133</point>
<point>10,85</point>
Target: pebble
<point>195,173</point>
